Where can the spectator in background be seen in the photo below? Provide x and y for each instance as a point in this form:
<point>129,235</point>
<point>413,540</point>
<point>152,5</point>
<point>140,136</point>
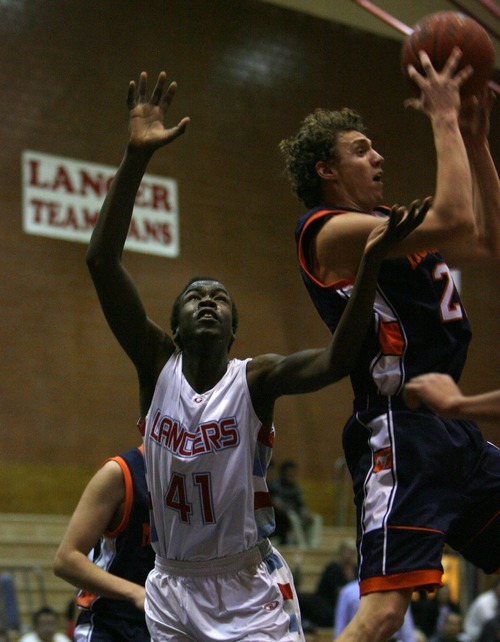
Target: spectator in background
<point>287,497</point>
<point>420,635</point>
<point>44,627</point>
<point>482,610</point>
<point>491,630</point>
<point>319,607</point>
<point>348,604</point>
<point>429,613</point>
<point>451,630</point>
<point>71,617</point>
<point>283,526</point>
<point>445,605</point>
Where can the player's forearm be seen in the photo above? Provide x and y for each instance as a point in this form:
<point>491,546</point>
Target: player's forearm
<point>486,194</point>
<point>348,338</point>
<point>110,232</point>
<point>453,199</point>
<point>78,570</point>
<point>484,407</point>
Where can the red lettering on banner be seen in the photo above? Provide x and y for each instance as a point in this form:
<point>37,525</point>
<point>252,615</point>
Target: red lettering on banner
<point>62,199</point>
<point>52,213</point>
<point>153,196</point>
<point>160,198</point>
<point>34,178</point>
<point>98,184</point>
<point>158,231</point>
<point>62,179</point>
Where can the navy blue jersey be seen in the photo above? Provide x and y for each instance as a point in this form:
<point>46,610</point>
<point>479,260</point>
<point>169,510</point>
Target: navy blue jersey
<point>125,552</point>
<point>419,324</point>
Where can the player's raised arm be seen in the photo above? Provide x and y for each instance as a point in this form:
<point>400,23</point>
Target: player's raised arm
<point>271,376</point>
<point>119,298</point>
<point>475,127</point>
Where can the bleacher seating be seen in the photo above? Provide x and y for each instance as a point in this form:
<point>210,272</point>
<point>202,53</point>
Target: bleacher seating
<point>28,544</point>
<point>27,547</point>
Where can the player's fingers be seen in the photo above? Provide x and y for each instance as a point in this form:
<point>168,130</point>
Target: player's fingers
<point>397,214</point>
<point>169,94</point>
<point>131,95</point>
<point>423,208</point>
<point>427,65</point>
<point>452,63</point>
<point>158,90</point>
<point>464,74</point>
<point>141,92</point>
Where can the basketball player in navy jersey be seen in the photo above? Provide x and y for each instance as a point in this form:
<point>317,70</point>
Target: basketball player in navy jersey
<point>106,552</point>
<point>419,481</point>
<point>208,430</point>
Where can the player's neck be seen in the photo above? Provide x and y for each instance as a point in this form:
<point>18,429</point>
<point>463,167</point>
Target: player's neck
<point>204,369</point>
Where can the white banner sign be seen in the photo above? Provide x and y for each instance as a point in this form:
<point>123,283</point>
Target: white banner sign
<point>62,198</point>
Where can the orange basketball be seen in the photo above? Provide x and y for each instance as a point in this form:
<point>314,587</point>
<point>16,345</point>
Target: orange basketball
<point>438,33</point>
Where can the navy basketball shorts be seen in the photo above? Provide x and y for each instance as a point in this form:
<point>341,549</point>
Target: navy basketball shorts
<point>106,626</point>
<point>420,482</point>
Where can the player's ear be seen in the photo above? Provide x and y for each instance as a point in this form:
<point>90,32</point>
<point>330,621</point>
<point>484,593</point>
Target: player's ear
<point>326,170</point>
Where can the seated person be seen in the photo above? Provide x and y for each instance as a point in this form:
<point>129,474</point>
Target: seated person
<point>44,627</point>
<point>319,607</point>
<point>287,497</point>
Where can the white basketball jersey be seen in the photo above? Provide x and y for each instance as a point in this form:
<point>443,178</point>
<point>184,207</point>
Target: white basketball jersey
<point>206,459</point>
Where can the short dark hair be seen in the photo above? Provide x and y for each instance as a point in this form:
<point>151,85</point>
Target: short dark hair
<point>315,141</point>
<point>174,315</point>
<point>44,610</point>
<point>288,464</point>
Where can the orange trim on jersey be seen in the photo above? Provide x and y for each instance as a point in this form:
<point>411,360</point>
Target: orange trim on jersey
<point>129,496</point>
<point>382,460</point>
<point>342,283</point>
<point>85,599</point>
<point>429,579</point>
<point>417,528</point>
<point>390,338</point>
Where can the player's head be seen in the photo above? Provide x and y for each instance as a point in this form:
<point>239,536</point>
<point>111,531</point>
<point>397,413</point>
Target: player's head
<point>316,141</point>
<point>45,623</point>
<point>207,304</point>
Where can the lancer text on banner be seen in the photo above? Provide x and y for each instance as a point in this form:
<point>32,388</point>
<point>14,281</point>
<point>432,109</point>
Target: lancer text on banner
<point>62,198</point>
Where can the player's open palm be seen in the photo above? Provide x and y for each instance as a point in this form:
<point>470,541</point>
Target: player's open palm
<point>146,127</point>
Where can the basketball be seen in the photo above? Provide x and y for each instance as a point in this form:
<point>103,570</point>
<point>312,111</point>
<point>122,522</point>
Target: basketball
<point>438,33</point>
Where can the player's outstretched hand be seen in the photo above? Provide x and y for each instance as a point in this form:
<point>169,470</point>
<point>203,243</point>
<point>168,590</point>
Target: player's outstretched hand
<point>439,90</point>
<point>437,391</point>
<point>401,222</point>
<point>474,118</point>
<point>146,127</point>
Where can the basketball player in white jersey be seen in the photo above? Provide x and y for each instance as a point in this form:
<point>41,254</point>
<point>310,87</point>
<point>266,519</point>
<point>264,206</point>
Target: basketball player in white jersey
<point>208,429</point>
